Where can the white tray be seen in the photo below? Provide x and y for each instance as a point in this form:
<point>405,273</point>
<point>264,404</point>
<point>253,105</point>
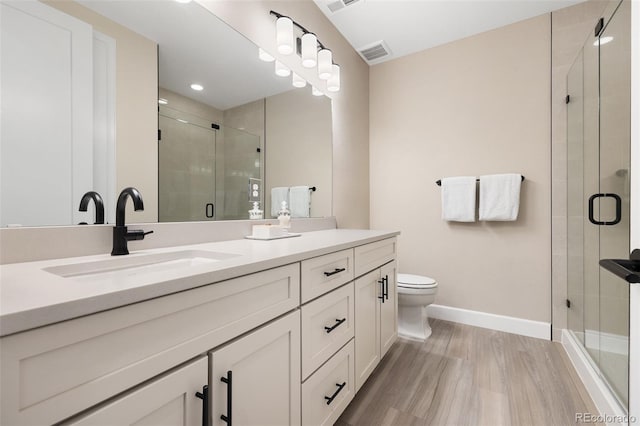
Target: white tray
<point>289,235</point>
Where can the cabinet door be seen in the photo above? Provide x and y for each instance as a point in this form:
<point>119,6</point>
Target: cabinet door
<point>169,400</point>
<point>256,379</point>
<point>368,290</point>
<point>388,309</point>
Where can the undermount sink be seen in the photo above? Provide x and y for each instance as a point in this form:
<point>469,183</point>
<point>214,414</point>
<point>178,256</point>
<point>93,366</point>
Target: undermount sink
<point>139,264</point>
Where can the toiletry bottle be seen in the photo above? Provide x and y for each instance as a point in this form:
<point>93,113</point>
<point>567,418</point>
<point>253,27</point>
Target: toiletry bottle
<point>255,213</point>
<point>284,216</point>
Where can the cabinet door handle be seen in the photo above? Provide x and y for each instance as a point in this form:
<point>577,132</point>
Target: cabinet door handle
<point>333,327</point>
<point>332,397</point>
<point>229,381</point>
<point>381,297</point>
<point>204,396</point>
<point>386,287</point>
<point>335,271</point>
<point>618,209</point>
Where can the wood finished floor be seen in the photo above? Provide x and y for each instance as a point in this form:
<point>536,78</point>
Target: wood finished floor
<point>465,375</point>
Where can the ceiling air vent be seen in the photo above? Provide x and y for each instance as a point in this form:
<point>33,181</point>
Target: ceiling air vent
<point>335,6</point>
<point>375,52</point>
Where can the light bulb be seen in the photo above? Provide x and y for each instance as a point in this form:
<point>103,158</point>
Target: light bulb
<point>197,87</point>
<point>298,81</point>
<point>284,35</point>
<point>309,50</point>
<point>282,70</point>
<point>333,84</point>
<point>325,60</point>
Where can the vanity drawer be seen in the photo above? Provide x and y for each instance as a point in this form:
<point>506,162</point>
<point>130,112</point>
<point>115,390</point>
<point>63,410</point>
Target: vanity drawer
<point>324,273</point>
<point>327,393</point>
<point>373,255</point>
<point>56,371</point>
<point>327,324</point>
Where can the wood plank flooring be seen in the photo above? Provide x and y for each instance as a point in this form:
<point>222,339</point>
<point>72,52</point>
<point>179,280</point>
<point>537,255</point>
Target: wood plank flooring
<point>465,375</point>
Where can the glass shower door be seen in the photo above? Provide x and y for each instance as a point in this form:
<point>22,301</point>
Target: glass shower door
<point>615,119</point>
<point>187,169</point>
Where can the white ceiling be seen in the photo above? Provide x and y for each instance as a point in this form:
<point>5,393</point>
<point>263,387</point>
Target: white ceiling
<point>197,47</point>
<point>408,26</point>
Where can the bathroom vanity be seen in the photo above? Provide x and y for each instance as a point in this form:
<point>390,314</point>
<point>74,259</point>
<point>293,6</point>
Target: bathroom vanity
<point>236,331</point>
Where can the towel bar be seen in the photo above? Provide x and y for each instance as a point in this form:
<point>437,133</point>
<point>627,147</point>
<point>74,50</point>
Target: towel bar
<point>439,182</point>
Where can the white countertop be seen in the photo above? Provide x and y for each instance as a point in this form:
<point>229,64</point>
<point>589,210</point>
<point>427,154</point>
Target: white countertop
<point>32,297</point>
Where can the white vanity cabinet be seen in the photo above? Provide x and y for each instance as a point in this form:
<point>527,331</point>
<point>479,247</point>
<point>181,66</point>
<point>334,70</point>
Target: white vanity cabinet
<point>54,372</point>
<point>175,399</point>
<point>255,380</point>
<point>376,308</point>
<point>283,346</point>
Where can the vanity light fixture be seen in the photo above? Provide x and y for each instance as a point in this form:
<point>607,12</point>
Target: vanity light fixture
<point>333,84</point>
<point>284,35</point>
<point>282,70</point>
<point>298,81</point>
<point>197,87</point>
<point>264,56</point>
<point>316,92</point>
<point>311,51</point>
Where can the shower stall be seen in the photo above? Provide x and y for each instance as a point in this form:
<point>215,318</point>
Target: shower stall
<point>598,141</point>
<point>204,168</point>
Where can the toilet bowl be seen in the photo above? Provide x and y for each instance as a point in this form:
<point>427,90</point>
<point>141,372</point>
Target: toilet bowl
<point>415,293</point>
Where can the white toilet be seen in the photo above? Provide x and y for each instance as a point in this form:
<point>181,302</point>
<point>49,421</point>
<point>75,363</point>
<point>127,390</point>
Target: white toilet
<point>415,293</point>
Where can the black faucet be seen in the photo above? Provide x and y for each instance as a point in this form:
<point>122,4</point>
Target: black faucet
<point>97,200</point>
<point>120,234</point>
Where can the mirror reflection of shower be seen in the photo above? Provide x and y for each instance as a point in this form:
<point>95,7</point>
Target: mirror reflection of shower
<point>204,166</point>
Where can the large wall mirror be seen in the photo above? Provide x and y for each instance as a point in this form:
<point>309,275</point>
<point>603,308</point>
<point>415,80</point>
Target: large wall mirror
<point>97,96</point>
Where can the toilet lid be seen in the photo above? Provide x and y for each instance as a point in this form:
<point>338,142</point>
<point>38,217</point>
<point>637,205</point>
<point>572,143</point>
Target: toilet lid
<point>416,281</point>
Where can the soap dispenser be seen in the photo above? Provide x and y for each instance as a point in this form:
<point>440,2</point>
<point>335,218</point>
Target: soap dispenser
<point>284,216</point>
<point>255,212</point>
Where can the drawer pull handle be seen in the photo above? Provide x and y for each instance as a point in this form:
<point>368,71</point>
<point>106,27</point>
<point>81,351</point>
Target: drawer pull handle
<point>333,327</point>
<point>228,381</point>
<point>335,271</point>
<point>382,293</point>
<point>332,397</point>
<point>204,396</point>
<point>386,286</point>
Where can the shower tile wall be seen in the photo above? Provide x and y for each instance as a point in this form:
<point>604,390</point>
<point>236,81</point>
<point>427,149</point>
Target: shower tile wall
<point>570,28</point>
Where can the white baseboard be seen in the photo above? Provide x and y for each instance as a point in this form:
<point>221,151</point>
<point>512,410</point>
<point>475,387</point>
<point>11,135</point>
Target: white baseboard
<point>605,402</point>
<point>524,327</point>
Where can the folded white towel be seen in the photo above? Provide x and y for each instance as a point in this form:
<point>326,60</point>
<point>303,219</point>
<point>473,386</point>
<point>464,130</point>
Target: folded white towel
<point>459,199</point>
<point>300,201</point>
<point>500,196</point>
<point>278,195</point>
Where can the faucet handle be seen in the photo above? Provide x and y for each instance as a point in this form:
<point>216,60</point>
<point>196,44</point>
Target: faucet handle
<point>137,234</point>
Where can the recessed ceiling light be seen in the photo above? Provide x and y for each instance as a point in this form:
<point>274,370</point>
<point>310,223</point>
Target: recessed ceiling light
<point>163,101</point>
<point>197,87</point>
<point>603,40</point>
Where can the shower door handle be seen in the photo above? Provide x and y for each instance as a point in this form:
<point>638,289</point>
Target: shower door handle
<point>618,209</point>
<point>209,210</point>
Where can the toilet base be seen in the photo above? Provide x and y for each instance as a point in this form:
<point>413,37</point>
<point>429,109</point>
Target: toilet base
<point>413,323</point>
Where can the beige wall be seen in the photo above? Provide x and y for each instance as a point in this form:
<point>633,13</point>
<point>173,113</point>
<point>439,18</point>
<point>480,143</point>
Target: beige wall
<point>476,106</point>
<point>299,146</point>
<point>350,105</point>
<point>136,109</point>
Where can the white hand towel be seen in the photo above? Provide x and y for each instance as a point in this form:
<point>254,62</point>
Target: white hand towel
<point>500,197</point>
<point>278,195</point>
<point>459,199</point>
<point>300,198</point>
